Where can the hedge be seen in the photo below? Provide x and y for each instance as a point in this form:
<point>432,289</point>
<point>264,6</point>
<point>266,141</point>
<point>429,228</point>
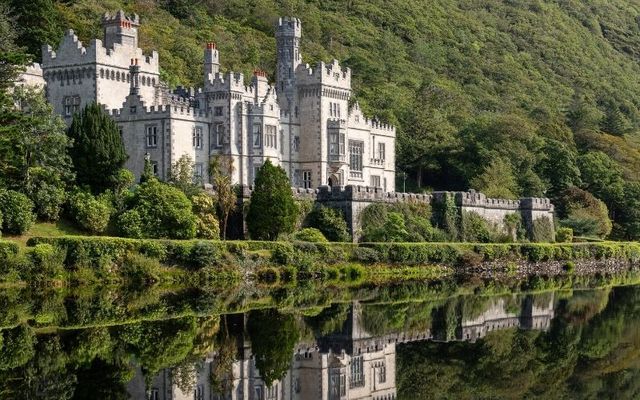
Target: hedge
<point>101,251</point>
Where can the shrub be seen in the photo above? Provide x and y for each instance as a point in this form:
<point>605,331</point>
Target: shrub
<point>310,235</point>
<point>140,270</point>
<point>446,216</point>
<point>514,227</point>
<point>130,224</point>
<point>542,230</point>
<point>48,200</point>
<point>204,208</point>
<point>204,254</point>
<point>46,262</point>
<point>272,210</point>
<point>564,235</point>
<point>331,223</point>
<point>165,211</point>
<point>17,212</point>
<point>90,213</point>
<point>366,255</point>
<point>474,228</point>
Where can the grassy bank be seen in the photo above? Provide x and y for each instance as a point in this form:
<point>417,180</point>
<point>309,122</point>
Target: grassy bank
<point>139,261</point>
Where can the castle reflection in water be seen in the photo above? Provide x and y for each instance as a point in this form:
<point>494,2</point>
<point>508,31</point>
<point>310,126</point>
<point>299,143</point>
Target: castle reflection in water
<point>349,364</point>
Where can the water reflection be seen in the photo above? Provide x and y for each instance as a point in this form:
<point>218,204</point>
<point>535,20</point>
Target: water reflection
<point>563,344</point>
<point>349,362</point>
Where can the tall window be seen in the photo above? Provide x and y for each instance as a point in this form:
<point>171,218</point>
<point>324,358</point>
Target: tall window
<point>356,149</point>
<point>198,138</point>
<point>306,179</point>
<point>198,171</point>
<point>152,136</point>
<point>257,133</point>
<point>218,135</point>
<point>382,151</point>
<point>375,181</point>
<point>270,137</point>
<point>155,394</point>
<point>272,392</point>
<point>382,373</point>
<point>357,371</point>
<point>71,105</point>
<point>336,143</point>
<point>198,394</point>
<point>337,384</point>
<point>154,168</point>
<point>296,144</point>
<point>281,141</point>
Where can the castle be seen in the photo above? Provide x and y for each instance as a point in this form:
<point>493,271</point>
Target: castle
<point>304,123</point>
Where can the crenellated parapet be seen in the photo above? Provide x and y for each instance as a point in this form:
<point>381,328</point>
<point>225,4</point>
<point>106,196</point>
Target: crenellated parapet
<point>331,74</point>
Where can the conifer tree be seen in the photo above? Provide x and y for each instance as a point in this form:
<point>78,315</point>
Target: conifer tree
<point>98,152</point>
<point>272,210</point>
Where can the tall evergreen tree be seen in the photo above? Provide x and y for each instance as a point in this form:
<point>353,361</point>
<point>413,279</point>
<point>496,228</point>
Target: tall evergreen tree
<point>98,152</point>
<point>39,23</point>
<point>272,210</point>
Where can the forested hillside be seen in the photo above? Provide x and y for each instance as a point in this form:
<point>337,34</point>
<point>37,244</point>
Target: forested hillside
<point>515,98</point>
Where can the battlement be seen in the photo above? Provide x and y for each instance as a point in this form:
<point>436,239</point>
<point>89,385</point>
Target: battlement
<point>357,119</point>
<point>135,106</point>
<point>331,74</point>
<point>536,203</point>
<point>72,52</point>
<point>120,18</point>
<point>288,27</point>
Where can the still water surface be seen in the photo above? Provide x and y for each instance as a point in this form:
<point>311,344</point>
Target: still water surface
<point>401,342</point>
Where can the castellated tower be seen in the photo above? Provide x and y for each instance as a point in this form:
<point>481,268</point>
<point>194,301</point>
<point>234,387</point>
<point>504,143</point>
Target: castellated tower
<point>211,62</point>
<point>288,34</point>
<point>120,29</point>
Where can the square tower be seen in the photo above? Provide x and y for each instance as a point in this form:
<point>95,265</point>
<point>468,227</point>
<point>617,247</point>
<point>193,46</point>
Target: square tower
<point>288,34</point>
<point>120,29</point>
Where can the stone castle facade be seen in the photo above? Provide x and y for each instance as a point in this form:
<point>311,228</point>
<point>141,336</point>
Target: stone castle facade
<point>303,122</point>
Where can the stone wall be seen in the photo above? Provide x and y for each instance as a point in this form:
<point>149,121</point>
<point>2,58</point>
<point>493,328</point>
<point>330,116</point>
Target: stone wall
<point>352,200</point>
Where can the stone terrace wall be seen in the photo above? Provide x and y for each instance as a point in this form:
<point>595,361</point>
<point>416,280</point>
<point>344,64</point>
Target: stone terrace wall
<point>352,200</point>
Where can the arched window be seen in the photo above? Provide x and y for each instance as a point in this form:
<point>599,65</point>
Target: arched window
<point>101,73</point>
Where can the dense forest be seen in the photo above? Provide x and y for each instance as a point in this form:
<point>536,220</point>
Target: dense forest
<point>514,98</point>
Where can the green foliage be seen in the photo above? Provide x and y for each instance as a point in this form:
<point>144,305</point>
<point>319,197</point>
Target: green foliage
<point>181,175</point>
<point>97,153</point>
<point>416,218</point>
<point>273,337</point>
<point>130,224</point>
<point>204,208</point>
<point>446,216</point>
<point>17,212</point>
<point>330,222</point>
<point>18,347</point>
<point>497,180</point>
<point>91,213</point>
<point>583,213</point>
<point>38,23</point>
<point>140,270</point>
<point>564,235</point>
<point>514,227</point>
<point>204,254</point>
<point>272,210</point>
<point>602,177</point>
<point>474,228</point>
<point>47,262</point>
<point>312,235</point>
<point>165,211</point>
<point>542,230</point>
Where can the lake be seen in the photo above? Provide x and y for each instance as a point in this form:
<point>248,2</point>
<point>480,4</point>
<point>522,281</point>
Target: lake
<point>463,338</point>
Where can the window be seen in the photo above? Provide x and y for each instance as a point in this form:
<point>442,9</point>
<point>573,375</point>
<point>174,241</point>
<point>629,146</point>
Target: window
<point>356,149</point>
<point>381,151</point>
<point>218,135</point>
<point>357,374</point>
<point>281,141</point>
<point>154,167</point>
<point>121,132</point>
<point>133,109</point>
<point>337,384</point>
<point>382,373</point>
<point>197,137</point>
<point>198,170</point>
<point>272,392</point>
<point>336,143</point>
<point>296,385</point>
<point>152,136</point>
<point>270,137</point>
<point>217,111</point>
<point>296,144</point>
<point>257,132</point>
<point>257,390</point>
<point>71,105</point>
<point>155,394</point>
<point>256,169</point>
<point>375,181</point>
<point>306,179</point>
<point>198,394</point>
